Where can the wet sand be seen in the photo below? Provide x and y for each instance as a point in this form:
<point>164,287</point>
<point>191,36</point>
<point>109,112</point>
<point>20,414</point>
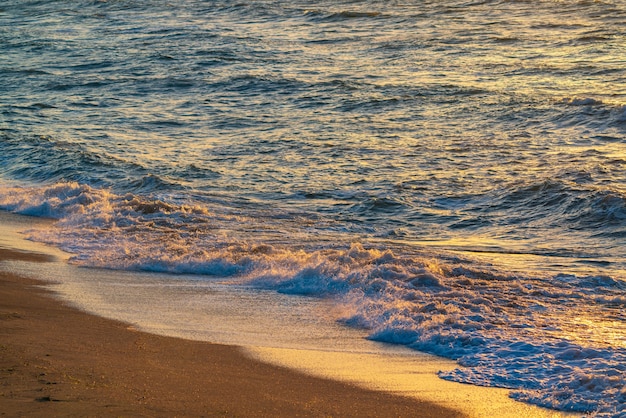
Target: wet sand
<point>58,361</point>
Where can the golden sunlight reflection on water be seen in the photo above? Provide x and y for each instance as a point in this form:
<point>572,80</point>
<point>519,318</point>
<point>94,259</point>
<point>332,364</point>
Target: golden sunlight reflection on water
<point>594,331</point>
<point>513,257</point>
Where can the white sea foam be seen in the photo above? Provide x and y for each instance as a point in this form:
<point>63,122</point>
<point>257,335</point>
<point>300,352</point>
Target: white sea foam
<point>556,341</point>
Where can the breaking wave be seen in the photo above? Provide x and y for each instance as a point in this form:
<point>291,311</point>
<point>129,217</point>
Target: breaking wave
<point>555,341</point>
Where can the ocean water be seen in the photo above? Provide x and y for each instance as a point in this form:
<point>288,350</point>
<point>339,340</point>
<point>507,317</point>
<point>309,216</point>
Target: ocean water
<point>451,173</point>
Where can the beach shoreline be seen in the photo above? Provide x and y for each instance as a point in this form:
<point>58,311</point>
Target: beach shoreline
<point>59,361</point>
<point>61,358</point>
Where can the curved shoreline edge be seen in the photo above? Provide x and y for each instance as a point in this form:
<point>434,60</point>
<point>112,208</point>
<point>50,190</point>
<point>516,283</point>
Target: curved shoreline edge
<point>58,360</point>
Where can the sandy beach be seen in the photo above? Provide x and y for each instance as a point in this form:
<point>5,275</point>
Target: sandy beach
<point>58,361</point>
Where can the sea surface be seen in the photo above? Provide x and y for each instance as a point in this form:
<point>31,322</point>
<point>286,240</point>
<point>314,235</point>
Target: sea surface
<point>450,174</point>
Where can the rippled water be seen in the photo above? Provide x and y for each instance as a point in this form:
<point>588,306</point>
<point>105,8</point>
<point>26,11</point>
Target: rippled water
<point>451,170</point>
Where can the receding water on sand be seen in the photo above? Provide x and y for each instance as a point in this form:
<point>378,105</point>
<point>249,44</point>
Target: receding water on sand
<point>298,332</point>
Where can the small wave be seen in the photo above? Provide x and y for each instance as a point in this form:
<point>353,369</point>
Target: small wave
<point>353,15</point>
<point>194,171</point>
<point>547,193</point>
<point>506,40</point>
<point>378,205</point>
<point>97,65</point>
<point>257,84</point>
<point>599,115</point>
<point>62,87</point>
<point>340,16</point>
<point>579,204</point>
<point>40,106</point>
<point>45,159</point>
<point>587,101</point>
<point>600,211</point>
<point>621,115</point>
<point>36,106</point>
<point>26,71</point>
<point>151,183</point>
<point>592,39</point>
